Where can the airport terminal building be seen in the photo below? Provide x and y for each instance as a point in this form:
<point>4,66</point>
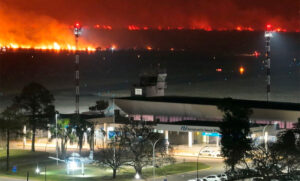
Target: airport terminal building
<point>190,123</point>
<point>194,121</point>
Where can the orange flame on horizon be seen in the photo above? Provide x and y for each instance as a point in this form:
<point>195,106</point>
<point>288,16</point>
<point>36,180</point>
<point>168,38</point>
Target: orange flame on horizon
<point>20,30</point>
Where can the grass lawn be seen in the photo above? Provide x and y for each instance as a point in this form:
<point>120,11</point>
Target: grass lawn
<point>27,161</point>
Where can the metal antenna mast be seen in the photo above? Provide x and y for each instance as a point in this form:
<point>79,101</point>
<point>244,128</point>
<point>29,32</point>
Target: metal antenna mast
<point>268,35</point>
<point>77,33</point>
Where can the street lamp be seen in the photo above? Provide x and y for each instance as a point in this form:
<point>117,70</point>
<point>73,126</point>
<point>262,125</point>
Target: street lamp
<point>198,166</point>
<point>137,176</point>
<point>153,162</point>
<point>198,162</point>
<point>37,170</point>
<point>265,135</point>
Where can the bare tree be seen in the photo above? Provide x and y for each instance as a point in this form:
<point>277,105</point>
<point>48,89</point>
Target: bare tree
<point>138,139</point>
<point>113,156</point>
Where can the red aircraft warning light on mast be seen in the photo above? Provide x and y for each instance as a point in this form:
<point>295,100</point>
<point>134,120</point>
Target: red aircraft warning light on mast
<point>77,33</point>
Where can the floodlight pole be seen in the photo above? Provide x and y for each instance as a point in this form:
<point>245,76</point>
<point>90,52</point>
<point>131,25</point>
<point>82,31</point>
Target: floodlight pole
<point>268,35</point>
<point>77,33</point>
<point>114,120</point>
<point>56,115</point>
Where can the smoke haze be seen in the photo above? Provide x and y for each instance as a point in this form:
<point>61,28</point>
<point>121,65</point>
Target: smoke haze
<point>189,13</point>
<point>43,23</point>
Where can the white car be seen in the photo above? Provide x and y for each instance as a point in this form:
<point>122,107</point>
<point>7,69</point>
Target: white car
<point>195,179</point>
<point>216,153</point>
<point>206,152</point>
<point>223,177</point>
<point>257,179</point>
<point>212,178</point>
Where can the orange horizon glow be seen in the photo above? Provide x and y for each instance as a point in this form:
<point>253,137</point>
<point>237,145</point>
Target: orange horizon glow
<point>47,47</point>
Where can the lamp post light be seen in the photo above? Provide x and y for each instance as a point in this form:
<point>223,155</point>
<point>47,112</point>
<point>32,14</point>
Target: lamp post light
<point>137,176</point>
<point>198,164</point>
<point>45,172</point>
<point>37,170</point>
<point>265,137</point>
<point>153,151</point>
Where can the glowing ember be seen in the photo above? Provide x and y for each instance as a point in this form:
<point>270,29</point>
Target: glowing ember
<point>219,70</point>
<point>269,27</point>
<point>133,27</point>
<point>113,47</point>
<point>256,54</point>
<point>242,70</point>
<point>149,48</point>
<point>239,28</point>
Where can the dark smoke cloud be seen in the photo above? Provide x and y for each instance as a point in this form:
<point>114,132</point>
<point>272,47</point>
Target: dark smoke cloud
<point>188,13</point>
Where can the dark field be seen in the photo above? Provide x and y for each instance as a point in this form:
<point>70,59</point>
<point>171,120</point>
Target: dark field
<point>191,70</point>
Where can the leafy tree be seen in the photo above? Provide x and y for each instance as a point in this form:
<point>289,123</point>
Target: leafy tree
<point>114,155</point>
<point>281,159</point>
<point>289,150</point>
<point>11,121</point>
<point>138,140</point>
<point>235,129</point>
<point>37,103</point>
<point>266,163</point>
<point>100,105</point>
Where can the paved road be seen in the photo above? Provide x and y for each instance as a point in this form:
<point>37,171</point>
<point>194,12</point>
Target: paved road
<point>10,179</point>
<point>216,167</point>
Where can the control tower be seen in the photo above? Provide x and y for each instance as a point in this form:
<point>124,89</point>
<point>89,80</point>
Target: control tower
<point>152,83</point>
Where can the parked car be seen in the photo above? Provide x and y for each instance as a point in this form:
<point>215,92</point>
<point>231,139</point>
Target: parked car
<point>212,178</point>
<point>199,179</point>
<point>257,179</point>
<point>215,154</point>
<point>223,177</point>
<point>206,152</point>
